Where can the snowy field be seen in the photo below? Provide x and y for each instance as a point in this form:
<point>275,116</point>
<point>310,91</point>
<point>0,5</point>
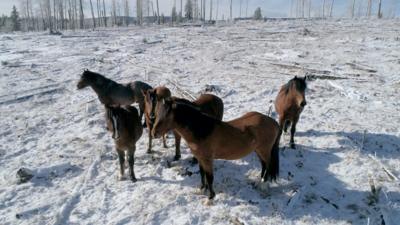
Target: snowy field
<point>348,135</point>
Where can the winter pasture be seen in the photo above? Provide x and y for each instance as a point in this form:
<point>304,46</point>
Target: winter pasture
<point>345,169</point>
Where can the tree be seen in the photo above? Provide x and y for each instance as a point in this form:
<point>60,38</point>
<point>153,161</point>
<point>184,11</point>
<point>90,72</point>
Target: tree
<point>81,15</point>
<point>94,19</point>
<point>158,13</point>
<point>257,14</point>
<point>230,10</point>
<point>15,21</point>
<point>189,10</point>
<point>174,15</point>
<point>330,13</point>
<point>379,9</point>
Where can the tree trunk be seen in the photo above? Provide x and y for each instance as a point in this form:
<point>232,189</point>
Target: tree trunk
<point>230,10</point>
<point>323,9</point>
<point>81,16</point>
<point>330,13</point>
<point>379,9</point>
<point>158,13</point>
<point>94,19</point>
<point>211,1</point>
<point>352,9</point>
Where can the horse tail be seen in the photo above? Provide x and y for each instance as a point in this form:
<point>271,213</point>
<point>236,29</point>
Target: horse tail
<point>273,167</point>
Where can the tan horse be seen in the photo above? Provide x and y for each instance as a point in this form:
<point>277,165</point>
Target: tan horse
<point>114,94</point>
<point>207,103</point>
<point>290,103</point>
<point>126,129</point>
<point>209,138</point>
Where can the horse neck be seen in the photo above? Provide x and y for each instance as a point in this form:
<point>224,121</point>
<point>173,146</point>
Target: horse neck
<point>101,89</point>
<point>192,124</point>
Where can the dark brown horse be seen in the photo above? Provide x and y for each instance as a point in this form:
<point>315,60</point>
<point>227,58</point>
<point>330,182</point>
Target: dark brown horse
<point>209,138</point>
<point>111,93</point>
<point>290,103</point>
<point>126,129</point>
<point>207,103</point>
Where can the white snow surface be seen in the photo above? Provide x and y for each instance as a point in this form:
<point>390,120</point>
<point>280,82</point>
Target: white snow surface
<point>348,135</point>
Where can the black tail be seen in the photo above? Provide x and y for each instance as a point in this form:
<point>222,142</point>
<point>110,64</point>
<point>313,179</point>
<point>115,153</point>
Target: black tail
<point>273,166</point>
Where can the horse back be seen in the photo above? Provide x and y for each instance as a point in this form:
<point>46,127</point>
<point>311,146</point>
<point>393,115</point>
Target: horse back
<point>210,105</point>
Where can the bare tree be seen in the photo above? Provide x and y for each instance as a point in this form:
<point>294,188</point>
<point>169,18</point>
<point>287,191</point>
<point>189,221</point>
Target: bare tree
<point>379,9</point>
<point>94,19</point>
<point>211,9</point>
<point>81,15</point>
<point>352,8</point>
<point>323,9</point>
<point>331,9</point>
<point>158,13</point>
<point>240,8</point>
<point>104,14</point>
<point>230,10</point>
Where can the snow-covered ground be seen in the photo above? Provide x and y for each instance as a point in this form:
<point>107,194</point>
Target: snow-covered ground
<point>348,135</point>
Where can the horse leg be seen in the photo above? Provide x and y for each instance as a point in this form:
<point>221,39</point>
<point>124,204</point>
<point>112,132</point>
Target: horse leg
<point>282,121</point>
<point>131,161</point>
<point>203,179</point>
<point>178,139</point>
<point>263,168</point>
<point>286,125</point>
<point>121,157</point>
<point>208,169</point>
<point>292,131</point>
<point>150,140</point>
<point>141,112</point>
<point>164,141</point>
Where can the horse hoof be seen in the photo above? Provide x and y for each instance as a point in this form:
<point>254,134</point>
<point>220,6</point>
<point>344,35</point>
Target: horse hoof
<point>193,161</point>
<point>292,146</point>
<point>165,146</point>
<point>121,177</point>
<point>208,202</point>
<point>148,151</point>
<point>177,157</point>
<point>133,179</point>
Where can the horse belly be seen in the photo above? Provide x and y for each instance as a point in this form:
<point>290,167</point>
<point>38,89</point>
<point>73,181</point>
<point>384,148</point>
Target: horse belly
<point>232,150</point>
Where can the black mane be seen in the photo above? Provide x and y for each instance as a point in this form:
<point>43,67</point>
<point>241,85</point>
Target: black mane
<point>200,124</point>
<point>96,77</point>
<point>299,83</point>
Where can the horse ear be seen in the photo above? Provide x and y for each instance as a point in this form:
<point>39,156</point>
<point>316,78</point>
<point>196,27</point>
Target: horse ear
<point>85,70</point>
<point>144,92</point>
<point>295,77</point>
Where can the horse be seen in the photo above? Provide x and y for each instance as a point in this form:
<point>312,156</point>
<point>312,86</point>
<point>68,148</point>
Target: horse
<point>209,138</point>
<point>289,103</point>
<point>207,103</point>
<point>151,96</point>
<point>114,94</point>
<point>126,129</point>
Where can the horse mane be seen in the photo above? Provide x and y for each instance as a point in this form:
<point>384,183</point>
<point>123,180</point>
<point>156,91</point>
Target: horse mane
<point>189,116</point>
<point>93,77</point>
<point>299,83</point>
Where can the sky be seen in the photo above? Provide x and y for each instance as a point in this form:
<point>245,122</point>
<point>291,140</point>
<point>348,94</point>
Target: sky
<point>270,8</point>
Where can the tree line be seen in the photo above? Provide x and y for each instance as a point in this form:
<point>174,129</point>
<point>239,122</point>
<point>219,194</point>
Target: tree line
<point>55,15</point>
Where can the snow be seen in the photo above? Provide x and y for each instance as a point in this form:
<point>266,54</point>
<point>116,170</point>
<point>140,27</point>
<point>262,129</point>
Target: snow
<point>347,135</point>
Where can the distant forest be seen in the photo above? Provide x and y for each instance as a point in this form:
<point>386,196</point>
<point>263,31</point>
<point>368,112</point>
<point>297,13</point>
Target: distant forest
<point>57,15</point>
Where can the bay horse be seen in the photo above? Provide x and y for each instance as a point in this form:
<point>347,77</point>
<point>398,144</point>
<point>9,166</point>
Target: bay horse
<point>126,129</point>
<point>114,94</point>
<point>289,103</point>
<point>207,103</point>
<point>209,138</point>
<point>151,96</point>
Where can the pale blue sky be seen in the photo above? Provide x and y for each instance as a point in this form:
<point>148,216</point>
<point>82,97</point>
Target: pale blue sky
<point>271,8</point>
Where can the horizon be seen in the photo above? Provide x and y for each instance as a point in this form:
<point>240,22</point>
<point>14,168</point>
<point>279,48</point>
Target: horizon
<point>270,8</point>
